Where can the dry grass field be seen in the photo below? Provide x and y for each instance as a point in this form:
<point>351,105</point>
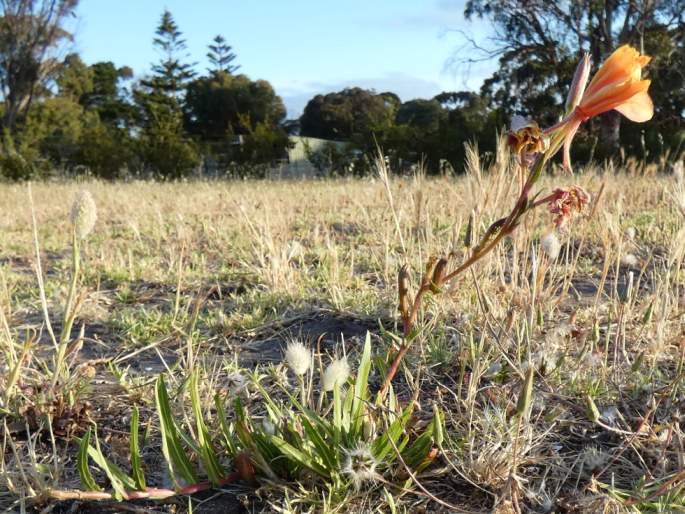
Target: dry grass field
<point>547,378</point>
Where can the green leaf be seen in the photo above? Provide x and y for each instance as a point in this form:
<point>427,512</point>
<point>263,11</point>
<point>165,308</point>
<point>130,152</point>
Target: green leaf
<point>438,426</point>
<point>171,445</point>
<point>382,447</point>
<point>325,450</point>
<point>210,461</point>
<point>84,473</point>
<point>361,387</point>
<point>120,481</point>
<point>299,456</point>
<point>226,431</point>
<point>136,465</point>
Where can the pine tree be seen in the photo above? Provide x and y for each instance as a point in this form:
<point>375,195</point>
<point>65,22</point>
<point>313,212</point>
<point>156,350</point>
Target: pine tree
<point>221,56</point>
<point>171,74</point>
<point>164,146</point>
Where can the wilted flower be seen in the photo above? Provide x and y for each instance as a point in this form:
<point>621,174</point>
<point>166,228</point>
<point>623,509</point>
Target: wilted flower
<point>550,245</point>
<point>565,201</point>
<point>359,465</point>
<point>83,214</point>
<point>298,357</point>
<point>336,374</point>
<point>617,85</point>
<point>526,138</point>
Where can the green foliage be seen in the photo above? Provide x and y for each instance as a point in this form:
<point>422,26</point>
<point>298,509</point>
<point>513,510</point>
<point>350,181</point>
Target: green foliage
<point>106,151</point>
<point>339,444</point>
<point>222,105</point>
<point>16,164</point>
<point>163,147</point>
<point>352,113</point>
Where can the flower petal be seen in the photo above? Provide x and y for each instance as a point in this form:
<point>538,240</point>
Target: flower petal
<point>638,109</point>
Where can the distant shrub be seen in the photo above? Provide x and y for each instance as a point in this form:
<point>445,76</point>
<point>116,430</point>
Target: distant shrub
<point>14,164</point>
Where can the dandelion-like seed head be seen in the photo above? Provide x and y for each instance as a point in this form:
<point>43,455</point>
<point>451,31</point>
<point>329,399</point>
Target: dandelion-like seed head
<point>83,214</point>
<point>298,357</point>
<point>550,245</point>
<point>336,374</point>
<point>593,458</point>
<point>359,465</point>
<point>567,201</point>
<point>236,383</point>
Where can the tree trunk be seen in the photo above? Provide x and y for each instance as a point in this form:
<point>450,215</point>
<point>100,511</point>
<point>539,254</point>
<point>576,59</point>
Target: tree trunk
<point>609,132</point>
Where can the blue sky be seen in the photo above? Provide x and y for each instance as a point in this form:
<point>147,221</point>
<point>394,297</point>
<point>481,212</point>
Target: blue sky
<point>303,47</point>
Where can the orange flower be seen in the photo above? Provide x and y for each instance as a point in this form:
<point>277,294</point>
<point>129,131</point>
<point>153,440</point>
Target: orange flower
<point>617,85</point>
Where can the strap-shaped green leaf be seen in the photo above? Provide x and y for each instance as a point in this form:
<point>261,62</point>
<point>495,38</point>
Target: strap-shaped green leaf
<point>300,457</point>
<point>84,473</point>
<point>136,464</point>
<point>176,458</point>
<point>361,387</point>
<point>210,462</point>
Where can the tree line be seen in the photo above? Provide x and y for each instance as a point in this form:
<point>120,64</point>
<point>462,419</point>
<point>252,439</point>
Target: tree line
<point>61,114</point>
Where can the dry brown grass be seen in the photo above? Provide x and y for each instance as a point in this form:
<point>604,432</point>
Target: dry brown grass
<point>217,275</point>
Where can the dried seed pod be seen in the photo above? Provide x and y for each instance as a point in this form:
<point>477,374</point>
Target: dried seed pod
<point>439,273</point>
<point>403,291</point>
<point>469,236</point>
<point>430,268</point>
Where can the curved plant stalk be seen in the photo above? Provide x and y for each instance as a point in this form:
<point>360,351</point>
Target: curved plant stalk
<point>436,275</point>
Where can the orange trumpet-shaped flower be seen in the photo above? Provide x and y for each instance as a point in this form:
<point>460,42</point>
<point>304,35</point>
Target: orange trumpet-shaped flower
<point>617,85</point>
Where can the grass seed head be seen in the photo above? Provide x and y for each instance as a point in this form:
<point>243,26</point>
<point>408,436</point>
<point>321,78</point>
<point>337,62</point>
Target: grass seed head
<point>336,374</point>
<point>83,214</point>
<point>298,357</point>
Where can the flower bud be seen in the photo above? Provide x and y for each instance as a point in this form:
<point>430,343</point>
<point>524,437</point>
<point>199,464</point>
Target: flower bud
<point>580,78</point>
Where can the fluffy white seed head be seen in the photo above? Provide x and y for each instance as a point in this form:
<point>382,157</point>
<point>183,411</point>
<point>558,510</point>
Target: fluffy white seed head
<point>550,245</point>
<point>83,214</point>
<point>269,427</point>
<point>630,260</point>
<point>630,233</point>
<point>298,357</point>
<point>359,465</point>
<point>336,374</point>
